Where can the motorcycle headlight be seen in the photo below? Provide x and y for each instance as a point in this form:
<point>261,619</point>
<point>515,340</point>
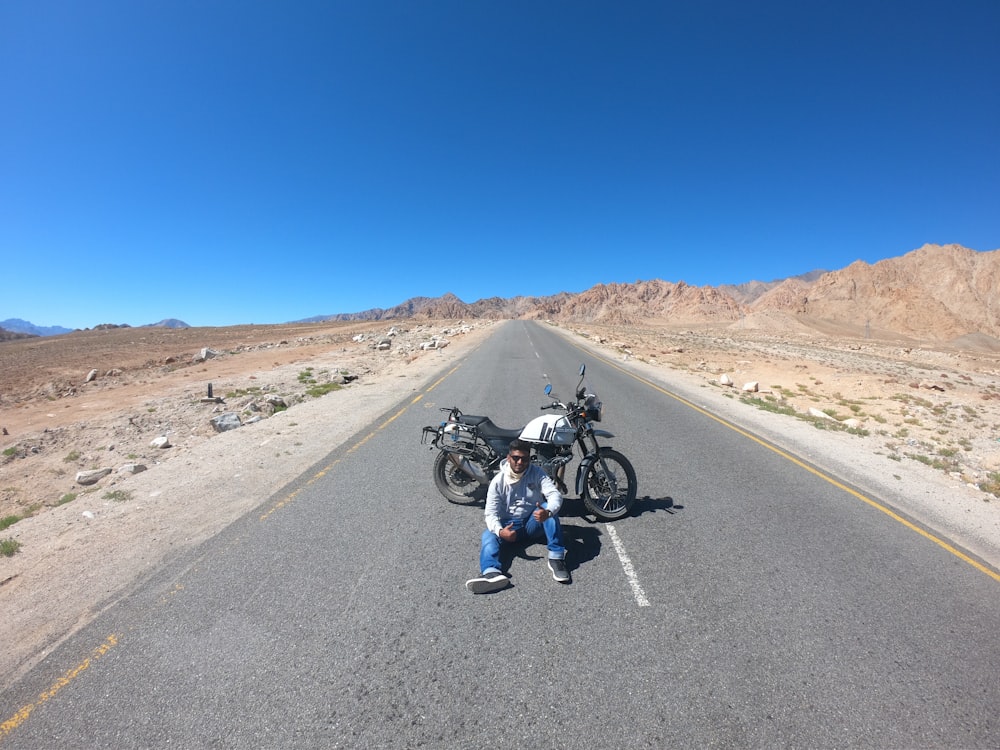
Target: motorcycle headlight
<point>593,408</point>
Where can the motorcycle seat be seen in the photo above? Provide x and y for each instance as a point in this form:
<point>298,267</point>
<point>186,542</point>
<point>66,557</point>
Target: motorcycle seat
<point>487,429</point>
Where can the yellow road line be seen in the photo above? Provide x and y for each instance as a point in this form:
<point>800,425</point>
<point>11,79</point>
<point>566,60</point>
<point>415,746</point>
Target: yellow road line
<point>812,470</point>
<point>25,711</point>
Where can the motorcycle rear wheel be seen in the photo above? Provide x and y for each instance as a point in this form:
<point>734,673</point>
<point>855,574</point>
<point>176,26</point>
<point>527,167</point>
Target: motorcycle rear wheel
<point>609,487</point>
<point>456,486</point>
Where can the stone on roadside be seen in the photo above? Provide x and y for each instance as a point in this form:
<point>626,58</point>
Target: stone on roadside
<point>752,387</point>
<point>91,476</point>
<point>229,420</point>
<point>90,376</point>
<point>132,468</point>
<point>160,442</point>
<point>724,379</point>
<point>205,353</point>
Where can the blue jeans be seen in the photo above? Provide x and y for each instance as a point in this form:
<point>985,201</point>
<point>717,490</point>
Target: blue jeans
<point>528,529</point>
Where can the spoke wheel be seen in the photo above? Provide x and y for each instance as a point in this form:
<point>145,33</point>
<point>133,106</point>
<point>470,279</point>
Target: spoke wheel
<point>609,488</point>
<point>456,486</point>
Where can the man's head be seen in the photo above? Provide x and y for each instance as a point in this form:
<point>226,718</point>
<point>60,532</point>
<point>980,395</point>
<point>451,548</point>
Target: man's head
<point>519,455</point>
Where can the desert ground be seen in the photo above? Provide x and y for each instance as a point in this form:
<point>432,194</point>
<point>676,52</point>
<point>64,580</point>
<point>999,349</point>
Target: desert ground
<point>916,423</point>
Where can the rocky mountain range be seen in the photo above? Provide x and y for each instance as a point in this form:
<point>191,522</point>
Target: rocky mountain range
<point>15,328</point>
<point>937,293</point>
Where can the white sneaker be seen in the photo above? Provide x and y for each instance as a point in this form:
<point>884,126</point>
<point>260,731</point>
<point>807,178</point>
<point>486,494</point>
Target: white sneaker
<point>487,583</point>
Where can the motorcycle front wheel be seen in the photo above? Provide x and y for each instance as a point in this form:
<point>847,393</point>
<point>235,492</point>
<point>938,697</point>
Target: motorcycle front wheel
<point>456,486</point>
<point>609,487</point>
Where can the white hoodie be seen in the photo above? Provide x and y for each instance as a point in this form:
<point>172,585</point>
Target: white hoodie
<point>508,500</point>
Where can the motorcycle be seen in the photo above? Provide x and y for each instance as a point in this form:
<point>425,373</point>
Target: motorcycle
<point>470,449</point>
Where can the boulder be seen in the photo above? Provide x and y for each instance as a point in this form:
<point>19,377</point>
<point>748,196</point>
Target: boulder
<point>204,354</point>
<point>752,387</point>
<point>724,379</point>
<point>226,421</point>
<point>90,376</point>
<point>91,476</point>
<point>160,442</point>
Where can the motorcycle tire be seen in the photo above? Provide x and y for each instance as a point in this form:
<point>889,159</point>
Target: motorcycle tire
<point>597,494</point>
<point>456,486</point>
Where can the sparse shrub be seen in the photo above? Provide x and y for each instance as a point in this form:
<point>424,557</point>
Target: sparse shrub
<point>72,457</point>
<point>67,498</point>
<point>8,521</point>
<point>118,496</point>
<point>322,389</point>
<point>9,547</point>
<point>992,484</point>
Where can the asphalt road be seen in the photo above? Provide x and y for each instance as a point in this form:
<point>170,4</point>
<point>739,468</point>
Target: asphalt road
<point>747,602</point>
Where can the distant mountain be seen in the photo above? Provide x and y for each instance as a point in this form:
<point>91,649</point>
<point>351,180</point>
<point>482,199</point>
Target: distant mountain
<point>937,292</point>
<point>16,325</point>
<point>168,323</point>
<point>749,292</point>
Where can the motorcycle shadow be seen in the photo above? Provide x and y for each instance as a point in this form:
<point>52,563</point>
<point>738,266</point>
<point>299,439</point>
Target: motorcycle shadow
<point>648,504</point>
<point>642,506</point>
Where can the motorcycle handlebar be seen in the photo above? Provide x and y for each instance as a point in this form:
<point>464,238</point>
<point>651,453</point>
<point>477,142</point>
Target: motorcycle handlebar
<point>555,405</point>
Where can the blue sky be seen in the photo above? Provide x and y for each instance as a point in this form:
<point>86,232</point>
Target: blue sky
<point>263,162</point>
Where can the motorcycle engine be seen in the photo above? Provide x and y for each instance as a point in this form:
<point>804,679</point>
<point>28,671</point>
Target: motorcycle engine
<point>551,458</point>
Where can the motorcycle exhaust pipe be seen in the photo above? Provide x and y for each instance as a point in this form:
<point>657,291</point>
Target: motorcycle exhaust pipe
<point>472,470</point>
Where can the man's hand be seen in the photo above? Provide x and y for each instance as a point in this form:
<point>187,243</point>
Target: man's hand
<point>541,514</point>
<point>507,533</point>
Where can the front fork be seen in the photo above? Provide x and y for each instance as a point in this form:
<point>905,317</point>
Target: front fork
<point>593,455</point>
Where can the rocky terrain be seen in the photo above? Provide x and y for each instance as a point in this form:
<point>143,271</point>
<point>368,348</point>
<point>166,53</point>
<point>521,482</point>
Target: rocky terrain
<point>116,400</point>
<point>937,293</point>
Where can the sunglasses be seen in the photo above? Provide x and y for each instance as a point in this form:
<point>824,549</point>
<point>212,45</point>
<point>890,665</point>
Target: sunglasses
<point>517,458</point>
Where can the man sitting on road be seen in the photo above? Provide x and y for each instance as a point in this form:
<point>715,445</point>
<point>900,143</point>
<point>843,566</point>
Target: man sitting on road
<point>521,506</point>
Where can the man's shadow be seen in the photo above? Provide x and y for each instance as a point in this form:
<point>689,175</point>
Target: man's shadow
<point>582,541</point>
<point>583,544</point>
